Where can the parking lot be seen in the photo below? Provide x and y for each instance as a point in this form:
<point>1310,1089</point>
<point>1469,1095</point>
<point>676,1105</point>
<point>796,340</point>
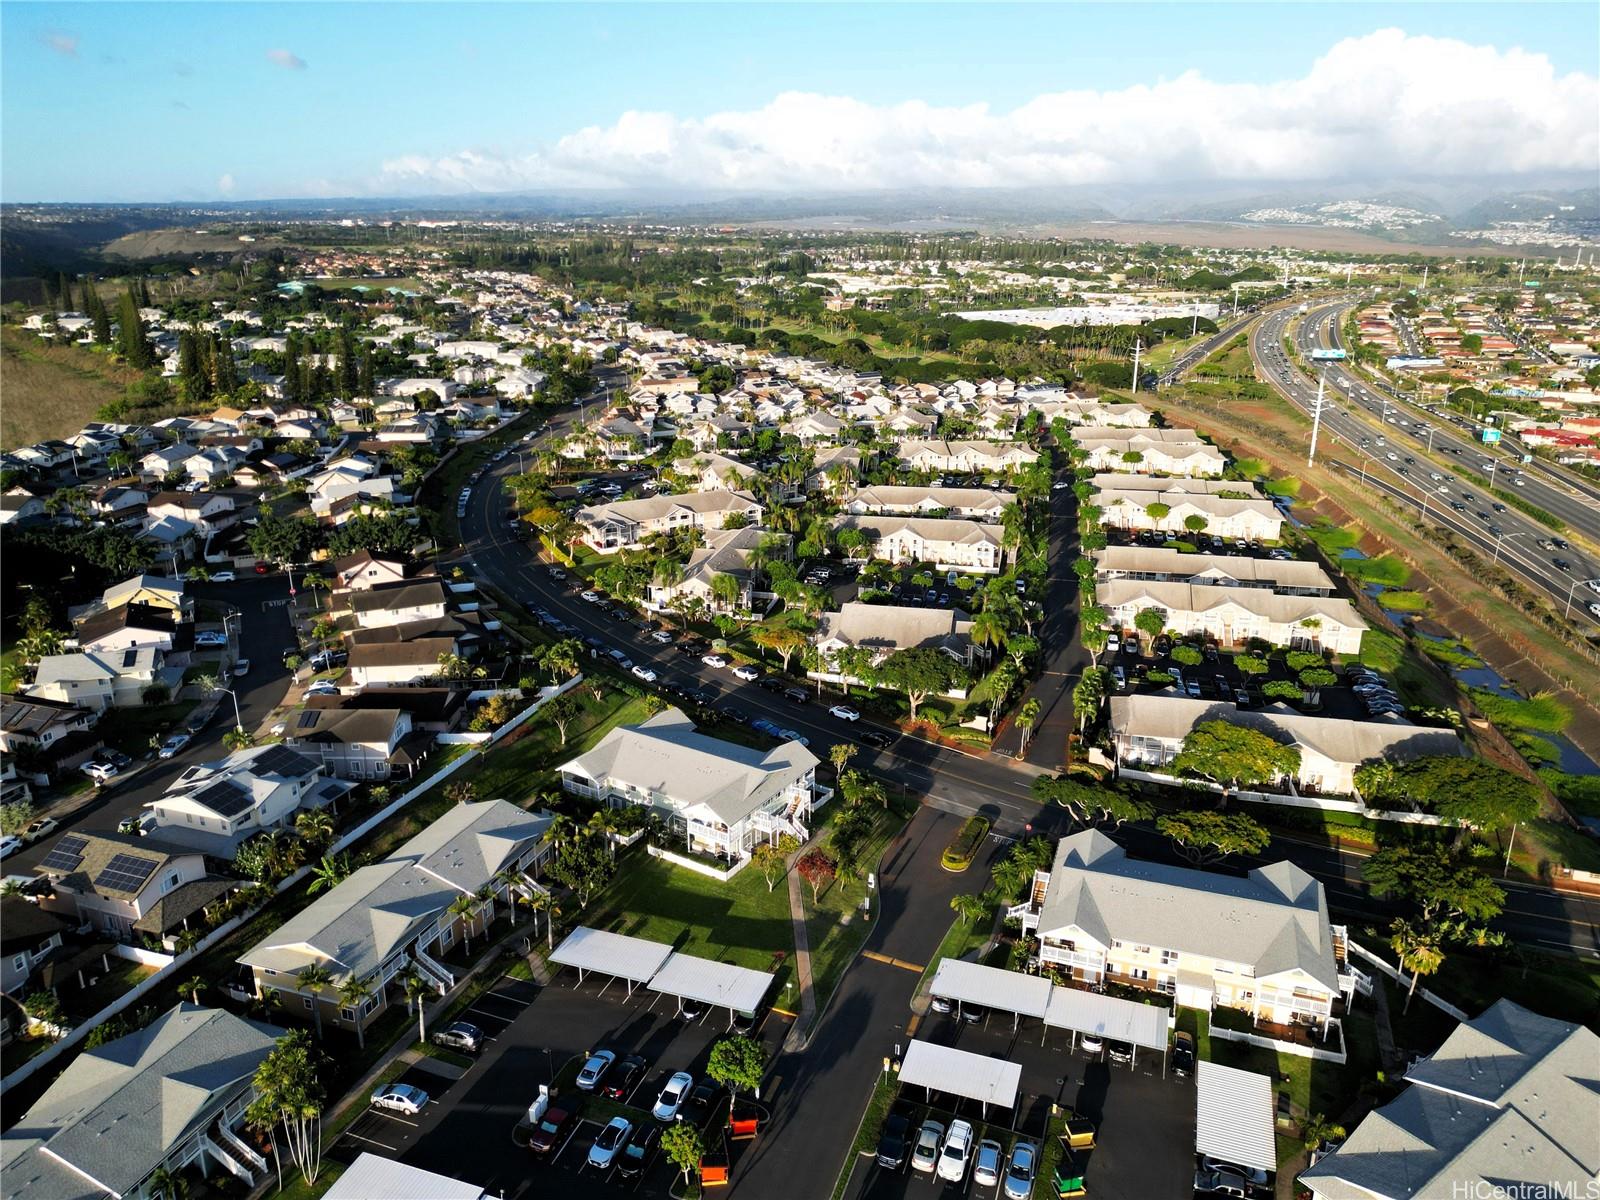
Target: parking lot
<point>532,1036</point>
<point>1146,1122</point>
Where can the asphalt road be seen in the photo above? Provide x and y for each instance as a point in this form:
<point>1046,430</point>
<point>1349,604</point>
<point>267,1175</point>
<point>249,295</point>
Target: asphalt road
<point>263,604</point>
<point>1346,423</point>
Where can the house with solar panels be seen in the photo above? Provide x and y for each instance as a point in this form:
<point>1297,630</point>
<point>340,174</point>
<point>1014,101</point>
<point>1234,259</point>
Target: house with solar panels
<point>215,806</point>
<point>109,881</point>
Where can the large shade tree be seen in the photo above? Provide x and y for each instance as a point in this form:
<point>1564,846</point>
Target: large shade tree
<point>1234,755</point>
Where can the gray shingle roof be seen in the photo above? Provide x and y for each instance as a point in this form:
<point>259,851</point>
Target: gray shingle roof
<point>1205,598</point>
<point>890,627</point>
<point>666,755</point>
<point>1509,1105</point>
<point>355,927</point>
<point>1275,919</point>
<point>119,1109</point>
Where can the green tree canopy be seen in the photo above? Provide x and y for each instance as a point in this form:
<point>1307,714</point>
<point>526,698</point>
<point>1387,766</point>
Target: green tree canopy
<point>1235,755</point>
<point>1206,835</point>
<point>1468,790</point>
<point>1431,877</point>
<point>918,671</point>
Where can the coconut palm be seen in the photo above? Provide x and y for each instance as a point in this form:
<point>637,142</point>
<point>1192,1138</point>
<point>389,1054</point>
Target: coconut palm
<point>353,994</point>
<point>416,989</point>
<point>315,826</point>
<point>193,986</point>
<point>314,979</point>
<point>464,906</point>
<point>603,823</point>
<point>546,903</point>
<point>168,1184</point>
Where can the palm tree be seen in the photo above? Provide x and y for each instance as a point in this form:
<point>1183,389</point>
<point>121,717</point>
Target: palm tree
<point>168,1184</point>
<point>1027,717</point>
<point>315,826</point>
<point>329,873</point>
<point>989,628</point>
<point>353,994</point>
<point>186,941</point>
<point>194,985</point>
<point>561,827</point>
<point>603,823</point>
<point>486,898</point>
<point>416,989</point>
<point>545,902</point>
<point>313,979</point>
<point>464,906</point>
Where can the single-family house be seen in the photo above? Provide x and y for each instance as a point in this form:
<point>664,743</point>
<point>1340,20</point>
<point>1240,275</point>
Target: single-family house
<point>215,806</point>
<point>422,599</point>
<point>111,880</point>
<point>358,743</point>
<point>40,723</point>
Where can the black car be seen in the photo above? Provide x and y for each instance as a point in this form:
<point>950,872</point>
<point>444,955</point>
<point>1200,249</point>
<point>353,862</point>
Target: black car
<point>892,1142</point>
<point>691,1010</point>
<point>1120,1052</point>
<point>797,695</point>
<point>636,1156</point>
<point>699,695</point>
<point>770,683</point>
<point>702,1103</point>
<point>1182,1060</point>
<point>876,737</point>
<point>621,1079</point>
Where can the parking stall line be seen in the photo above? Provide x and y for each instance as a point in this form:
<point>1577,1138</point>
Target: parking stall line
<point>373,1142</point>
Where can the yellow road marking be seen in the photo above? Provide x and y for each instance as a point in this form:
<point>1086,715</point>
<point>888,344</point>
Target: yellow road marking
<point>893,962</point>
<point>911,1025</point>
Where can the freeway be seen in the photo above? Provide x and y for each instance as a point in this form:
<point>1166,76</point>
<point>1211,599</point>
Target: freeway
<point>1368,426</point>
<point>1559,493</point>
<point>950,780</point>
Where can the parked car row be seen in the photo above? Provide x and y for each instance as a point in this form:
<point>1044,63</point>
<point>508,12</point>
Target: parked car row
<point>950,1154</point>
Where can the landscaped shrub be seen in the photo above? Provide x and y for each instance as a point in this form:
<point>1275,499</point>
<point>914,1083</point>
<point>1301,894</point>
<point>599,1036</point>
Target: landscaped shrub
<point>963,848</point>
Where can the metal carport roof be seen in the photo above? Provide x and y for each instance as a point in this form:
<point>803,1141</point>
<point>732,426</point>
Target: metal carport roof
<point>635,960</point>
<point>1108,1016</point>
<point>1234,1116</point>
<point>1008,991</point>
<point>373,1177</point>
<point>961,1073</point>
<point>722,985</point>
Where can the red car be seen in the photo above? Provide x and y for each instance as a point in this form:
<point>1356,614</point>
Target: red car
<point>262,568</point>
<point>551,1131</point>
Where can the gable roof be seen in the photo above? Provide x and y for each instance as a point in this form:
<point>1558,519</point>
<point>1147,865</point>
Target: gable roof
<point>1275,919</point>
<point>890,627</point>
<point>665,754</point>
<point>121,1108</point>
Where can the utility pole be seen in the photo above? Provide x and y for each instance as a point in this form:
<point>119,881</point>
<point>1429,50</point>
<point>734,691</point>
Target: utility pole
<point>1425,277</point>
<point>1138,345</point>
<point>1316,420</point>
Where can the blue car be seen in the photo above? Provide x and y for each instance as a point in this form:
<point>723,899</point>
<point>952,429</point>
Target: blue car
<point>767,727</point>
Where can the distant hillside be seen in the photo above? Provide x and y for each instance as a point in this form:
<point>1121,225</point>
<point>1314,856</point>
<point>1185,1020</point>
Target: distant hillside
<point>51,391</point>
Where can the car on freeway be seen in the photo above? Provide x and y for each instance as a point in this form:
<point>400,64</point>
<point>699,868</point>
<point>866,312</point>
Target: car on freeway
<point>844,712</point>
<point>551,1131</point>
<point>644,673</point>
<point>223,577</point>
<point>459,1035</point>
<point>746,672</point>
<point>1594,610</point>
<point>620,1080</point>
<point>636,1154</point>
<point>610,1142</point>
<point>174,744</point>
<point>400,1098</point>
<point>891,1154</point>
<point>925,1156</point>
<point>714,660</point>
<point>594,1070</point>
<point>955,1157</point>
<point>986,1163</point>
<point>1020,1170</point>
<point>671,1098</point>
<point>876,737</point>
<point>1182,1060</point>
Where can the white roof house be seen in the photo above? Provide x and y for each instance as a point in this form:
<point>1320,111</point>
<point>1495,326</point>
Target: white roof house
<point>885,628</point>
<point>216,805</point>
<point>1506,1106</point>
<point>1286,577</point>
<point>983,504</point>
<point>967,546</point>
<point>1233,615</point>
<point>612,527</point>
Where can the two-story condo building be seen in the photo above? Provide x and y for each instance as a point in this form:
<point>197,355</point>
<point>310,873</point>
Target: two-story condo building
<point>946,545</point>
<point>978,504</point>
<point>1262,944</point>
<point>608,528</point>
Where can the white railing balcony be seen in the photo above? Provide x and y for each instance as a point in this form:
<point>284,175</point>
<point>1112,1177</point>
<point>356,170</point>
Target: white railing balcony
<point>240,1147</point>
<point>434,972</point>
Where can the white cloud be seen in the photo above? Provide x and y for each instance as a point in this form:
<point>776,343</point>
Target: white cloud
<point>286,59</point>
<point>1384,104</point>
<point>64,44</point>
<point>225,185</point>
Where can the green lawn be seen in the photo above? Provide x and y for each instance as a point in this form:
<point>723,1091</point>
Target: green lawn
<point>10,668</point>
<point>739,921</point>
<point>130,729</point>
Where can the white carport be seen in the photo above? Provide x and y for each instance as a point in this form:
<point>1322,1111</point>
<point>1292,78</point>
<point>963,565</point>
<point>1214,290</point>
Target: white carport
<point>1233,1119</point>
<point>630,959</point>
<point>961,1073</point>
<point>990,987</point>
<point>719,984</point>
<point>1110,1017</point>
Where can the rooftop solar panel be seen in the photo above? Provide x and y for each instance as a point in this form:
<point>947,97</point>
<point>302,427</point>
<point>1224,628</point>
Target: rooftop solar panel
<point>125,873</point>
<point>225,798</point>
<point>278,760</point>
<point>67,853</point>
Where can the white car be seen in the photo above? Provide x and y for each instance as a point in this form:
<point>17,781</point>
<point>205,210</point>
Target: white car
<point>400,1098</point>
<point>662,636</point>
<point>747,673</point>
<point>223,577</point>
<point>173,744</point>
<point>100,772</point>
<point>844,712</point>
<point>956,1156</point>
<point>43,827</point>
<point>322,687</point>
<point>591,596</point>
<point>714,660</point>
<point>644,673</point>
<point>10,844</point>
<point>672,1096</point>
<point>611,1140</point>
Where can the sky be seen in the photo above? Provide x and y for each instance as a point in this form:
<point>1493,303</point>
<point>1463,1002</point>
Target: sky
<point>208,101</point>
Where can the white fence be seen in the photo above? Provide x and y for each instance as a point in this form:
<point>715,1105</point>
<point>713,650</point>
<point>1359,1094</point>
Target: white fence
<point>172,964</point>
<point>1404,981</point>
<point>1321,803</point>
<point>1321,1053</point>
<point>700,868</point>
<point>138,954</point>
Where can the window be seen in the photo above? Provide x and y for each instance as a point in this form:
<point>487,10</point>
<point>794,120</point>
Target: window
<point>347,1014</point>
<point>1168,957</point>
<point>19,963</point>
<point>306,1000</point>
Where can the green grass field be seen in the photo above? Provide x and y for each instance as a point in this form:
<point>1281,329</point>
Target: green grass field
<point>52,391</point>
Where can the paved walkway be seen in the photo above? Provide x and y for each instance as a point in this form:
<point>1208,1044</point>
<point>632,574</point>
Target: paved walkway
<point>802,961</point>
<point>1388,1054</point>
